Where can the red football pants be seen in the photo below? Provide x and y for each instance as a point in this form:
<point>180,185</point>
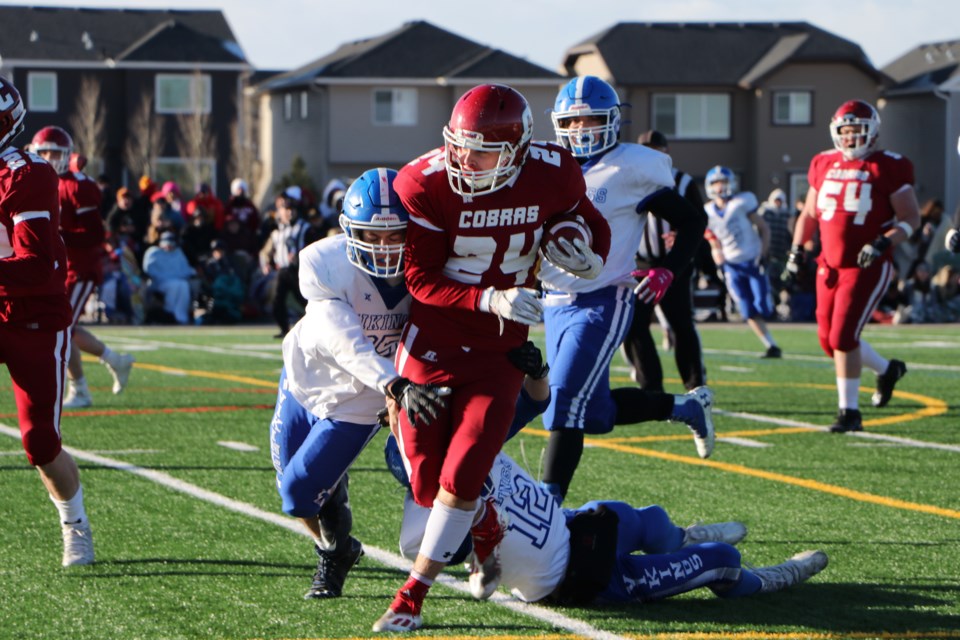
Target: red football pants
<point>846,299</point>
<point>36,361</point>
<point>457,449</point>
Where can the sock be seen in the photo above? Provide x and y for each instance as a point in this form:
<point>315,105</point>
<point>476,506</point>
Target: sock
<point>71,511</point>
<point>80,384</point>
<point>748,584</point>
<point>848,390</point>
<point>445,531</point>
<point>108,357</point>
<point>410,596</point>
<point>639,405</point>
<point>767,339</point>
<point>872,360</point>
<point>563,455</point>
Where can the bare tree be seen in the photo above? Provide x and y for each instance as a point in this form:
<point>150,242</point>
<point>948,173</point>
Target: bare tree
<point>88,121</point>
<point>145,139</point>
<point>243,157</point>
<point>196,140</point>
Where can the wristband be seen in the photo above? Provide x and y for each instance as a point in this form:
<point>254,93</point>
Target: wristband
<point>907,227</point>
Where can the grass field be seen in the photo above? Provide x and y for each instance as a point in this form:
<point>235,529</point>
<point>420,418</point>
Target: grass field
<point>191,542</point>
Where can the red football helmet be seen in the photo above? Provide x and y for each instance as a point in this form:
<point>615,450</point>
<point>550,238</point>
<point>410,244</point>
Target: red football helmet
<point>855,113</point>
<point>488,118</point>
<point>12,112</point>
<point>56,140</point>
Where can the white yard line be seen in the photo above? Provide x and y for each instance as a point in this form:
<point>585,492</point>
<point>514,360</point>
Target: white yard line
<point>228,351</point>
<point>395,561</point>
<point>907,442</point>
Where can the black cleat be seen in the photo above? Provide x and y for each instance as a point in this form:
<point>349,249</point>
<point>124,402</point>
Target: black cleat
<point>886,381</point>
<point>773,352</point>
<point>847,420</point>
<point>332,568</point>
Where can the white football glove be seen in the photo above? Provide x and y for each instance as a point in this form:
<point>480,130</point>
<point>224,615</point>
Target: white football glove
<point>518,304</point>
<point>953,241</point>
<point>576,259</point>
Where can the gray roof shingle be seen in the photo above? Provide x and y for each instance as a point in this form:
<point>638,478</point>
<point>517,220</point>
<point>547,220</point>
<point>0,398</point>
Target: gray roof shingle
<point>95,35</point>
<point>926,67</point>
<point>415,50</point>
<point>721,54</point>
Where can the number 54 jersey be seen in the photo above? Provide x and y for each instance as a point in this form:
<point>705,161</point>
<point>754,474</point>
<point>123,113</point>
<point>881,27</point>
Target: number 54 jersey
<point>853,200</point>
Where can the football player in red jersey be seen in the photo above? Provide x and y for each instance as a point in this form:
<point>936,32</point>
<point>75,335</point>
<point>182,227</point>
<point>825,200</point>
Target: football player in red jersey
<point>35,319</point>
<point>862,200</point>
<point>477,207</point>
<point>83,233</point>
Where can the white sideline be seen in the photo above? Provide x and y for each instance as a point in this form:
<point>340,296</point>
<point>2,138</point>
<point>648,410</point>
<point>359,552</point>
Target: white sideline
<point>393,560</point>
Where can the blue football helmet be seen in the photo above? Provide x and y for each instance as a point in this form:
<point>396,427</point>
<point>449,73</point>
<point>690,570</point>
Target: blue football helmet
<point>587,96</point>
<point>725,181</point>
<point>371,204</point>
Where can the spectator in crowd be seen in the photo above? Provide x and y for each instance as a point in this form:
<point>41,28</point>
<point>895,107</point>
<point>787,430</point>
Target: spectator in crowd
<point>160,222</point>
<point>241,208</point>
<point>223,288</point>
<point>739,240</point>
<point>170,274</point>
<point>779,218</point>
<point>196,237</point>
<point>205,200</point>
<point>331,202</point>
<point>34,328</point>
<point>121,210</point>
<point>932,299</point>
<point>123,283</point>
<point>280,255</point>
<point>677,303</point>
<point>170,192</point>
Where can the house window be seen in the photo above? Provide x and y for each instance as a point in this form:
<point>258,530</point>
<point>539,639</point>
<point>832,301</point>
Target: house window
<point>303,105</point>
<point>287,107</point>
<point>183,93</point>
<point>692,116</point>
<point>792,107</point>
<point>395,107</point>
<point>41,91</point>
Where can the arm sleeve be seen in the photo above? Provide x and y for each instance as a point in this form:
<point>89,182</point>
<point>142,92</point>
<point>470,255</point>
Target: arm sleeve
<point>688,222</point>
<point>335,329</point>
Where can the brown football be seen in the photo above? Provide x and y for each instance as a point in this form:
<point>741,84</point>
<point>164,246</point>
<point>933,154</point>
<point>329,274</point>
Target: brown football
<point>566,225</point>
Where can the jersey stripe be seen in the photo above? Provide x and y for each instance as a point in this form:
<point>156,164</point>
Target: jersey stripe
<point>30,215</point>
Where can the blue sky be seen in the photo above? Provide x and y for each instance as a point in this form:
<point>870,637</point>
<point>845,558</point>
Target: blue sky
<point>283,34</point>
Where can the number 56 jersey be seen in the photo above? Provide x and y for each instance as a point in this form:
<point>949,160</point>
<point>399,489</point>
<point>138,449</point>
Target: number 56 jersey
<point>853,200</point>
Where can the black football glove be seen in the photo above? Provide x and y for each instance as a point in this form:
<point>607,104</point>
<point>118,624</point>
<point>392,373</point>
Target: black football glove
<point>791,270</point>
<point>529,359</point>
<point>870,252</point>
<point>383,418</point>
<point>423,400</point>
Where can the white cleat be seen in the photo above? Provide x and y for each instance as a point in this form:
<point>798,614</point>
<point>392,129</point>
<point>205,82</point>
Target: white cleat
<point>121,372</point>
<point>393,621</point>
<point>729,532</point>
<point>484,577</point>
<point>77,544</point>
<point>77,398</point>
<point>797,569</point>
<point>704,436</point>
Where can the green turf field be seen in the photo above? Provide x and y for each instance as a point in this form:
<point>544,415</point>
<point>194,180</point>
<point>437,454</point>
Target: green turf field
<point>191,543</point>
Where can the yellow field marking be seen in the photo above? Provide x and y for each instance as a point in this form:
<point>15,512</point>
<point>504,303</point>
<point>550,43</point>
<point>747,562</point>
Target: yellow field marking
<point>767,475</point>
<point>205,374</point>
<point>931,406</point>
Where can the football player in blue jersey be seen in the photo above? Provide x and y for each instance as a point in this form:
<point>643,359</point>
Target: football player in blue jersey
<point>578,556</point>
<point>337,367</point>
<point>586,320</point>
<point>739,240</point>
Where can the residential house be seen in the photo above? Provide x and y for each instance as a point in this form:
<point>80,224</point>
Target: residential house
<point>140,90</point>
<point>921,117</point>
<point>756,97</point>
<point>382,101</point>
